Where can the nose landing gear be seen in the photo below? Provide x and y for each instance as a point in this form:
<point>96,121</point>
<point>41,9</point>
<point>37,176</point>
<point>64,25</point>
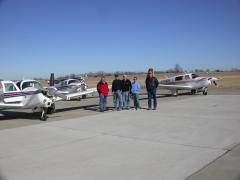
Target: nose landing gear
<point>44,114</point>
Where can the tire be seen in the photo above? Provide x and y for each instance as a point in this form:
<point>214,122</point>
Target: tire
<point>84,96</point>
<point>51,109</point>
<point>193,91</point>
<point>44,117</point>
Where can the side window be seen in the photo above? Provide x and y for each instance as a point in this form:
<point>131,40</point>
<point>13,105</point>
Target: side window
<point>194,76</point>
<point>9,87</point>
<point>179,78</point>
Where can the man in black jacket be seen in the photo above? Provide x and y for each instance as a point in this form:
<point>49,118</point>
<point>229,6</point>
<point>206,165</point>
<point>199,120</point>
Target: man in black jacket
<point>126,89</point>
<point>151,85</point>
<point>117,93</point>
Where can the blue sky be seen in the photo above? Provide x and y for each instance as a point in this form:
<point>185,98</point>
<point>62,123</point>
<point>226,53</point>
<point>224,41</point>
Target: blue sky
<point>77,36</point>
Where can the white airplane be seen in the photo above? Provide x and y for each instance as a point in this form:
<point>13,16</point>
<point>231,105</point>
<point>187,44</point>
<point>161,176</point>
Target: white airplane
<point>29,94</point>
<point>191,82</point>
<point>66,86</point>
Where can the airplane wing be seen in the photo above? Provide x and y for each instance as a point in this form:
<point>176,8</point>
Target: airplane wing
<point>176,87</point>
<point>76,94</point>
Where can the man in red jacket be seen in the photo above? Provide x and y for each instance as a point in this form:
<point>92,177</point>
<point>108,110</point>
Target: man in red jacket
<point>103,91</point>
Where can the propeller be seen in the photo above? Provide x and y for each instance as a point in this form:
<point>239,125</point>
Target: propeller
<point>213,80</point>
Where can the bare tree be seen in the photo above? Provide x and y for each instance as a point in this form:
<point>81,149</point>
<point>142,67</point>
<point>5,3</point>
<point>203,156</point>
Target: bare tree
<point>178,68</point>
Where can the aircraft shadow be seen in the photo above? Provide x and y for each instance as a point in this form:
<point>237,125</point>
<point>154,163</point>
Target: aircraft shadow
<point>10,115</point>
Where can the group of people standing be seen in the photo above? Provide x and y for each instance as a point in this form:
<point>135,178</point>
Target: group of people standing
<point>123,89</point>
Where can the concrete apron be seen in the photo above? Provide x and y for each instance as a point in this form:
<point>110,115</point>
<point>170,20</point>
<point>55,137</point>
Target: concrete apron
<point>171,143</point>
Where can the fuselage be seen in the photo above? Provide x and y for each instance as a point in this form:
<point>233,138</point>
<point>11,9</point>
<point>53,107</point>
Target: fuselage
<point>192,81</point>
<point>27,94</point>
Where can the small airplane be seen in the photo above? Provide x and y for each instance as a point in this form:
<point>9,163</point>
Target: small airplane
<point>191,81</point>
<point>66,86</point>
<point>30,94</point>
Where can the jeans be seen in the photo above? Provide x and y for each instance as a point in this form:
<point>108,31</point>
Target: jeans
<point>152,95</point>
<point>117,100</point>
<point>102,102</point>
<point>125,99</point>
<point>136,100</point>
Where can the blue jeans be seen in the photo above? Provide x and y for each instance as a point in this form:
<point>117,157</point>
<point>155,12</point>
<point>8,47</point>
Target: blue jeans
<point>152,95</point>
<point>102,102</point>
<point>136,100</point>
<point>117,100</point>
<point>125,99</point>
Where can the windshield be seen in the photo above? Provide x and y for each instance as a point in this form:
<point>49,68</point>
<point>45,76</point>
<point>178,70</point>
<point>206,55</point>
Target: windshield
<point>74,81</point>
<point>194,76</point>
<point>34,84</point>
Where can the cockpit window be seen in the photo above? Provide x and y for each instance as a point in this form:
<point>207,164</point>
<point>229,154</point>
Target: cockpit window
<point>74,81</point>
<point>179,78</point>
<point>9,87</point>
<point>33,84</point>
<point>194,76</point>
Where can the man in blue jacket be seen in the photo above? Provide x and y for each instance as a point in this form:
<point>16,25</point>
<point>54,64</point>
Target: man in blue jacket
<point>136,89</point>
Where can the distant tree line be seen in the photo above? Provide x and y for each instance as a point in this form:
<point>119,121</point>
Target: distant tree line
<point>176,69</point>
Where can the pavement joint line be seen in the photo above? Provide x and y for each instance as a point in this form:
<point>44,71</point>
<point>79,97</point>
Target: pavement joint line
<point>164,142</point>
<point>141,139</point>
<point>207,165</point>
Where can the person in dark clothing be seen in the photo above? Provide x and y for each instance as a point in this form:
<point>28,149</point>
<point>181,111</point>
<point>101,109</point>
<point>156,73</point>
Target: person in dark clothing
<point>117,93</point>
<point>102,88</point>
<point>151,85</point>
<point>126,89</point>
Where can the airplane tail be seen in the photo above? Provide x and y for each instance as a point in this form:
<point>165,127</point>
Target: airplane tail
<point>51,83</point>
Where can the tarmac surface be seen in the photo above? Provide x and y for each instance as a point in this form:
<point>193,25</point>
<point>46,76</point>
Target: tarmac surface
<point>188,137</point>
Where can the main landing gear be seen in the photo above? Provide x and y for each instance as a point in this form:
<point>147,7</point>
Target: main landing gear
<point>46,111</point>
<point>44,114</point>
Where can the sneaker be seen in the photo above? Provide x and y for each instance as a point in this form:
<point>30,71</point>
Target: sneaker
<point>154,109</point>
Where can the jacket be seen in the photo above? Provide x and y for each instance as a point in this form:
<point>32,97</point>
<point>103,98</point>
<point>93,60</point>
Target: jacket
<point>126,85</point>
<point>117,85</point>
<point>102,88</point>
<point>151,83</point>
<point>136,88</point>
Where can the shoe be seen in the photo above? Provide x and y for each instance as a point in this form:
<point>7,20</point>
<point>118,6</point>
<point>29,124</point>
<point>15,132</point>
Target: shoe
<point>149,108</point>
<point>154,109</point>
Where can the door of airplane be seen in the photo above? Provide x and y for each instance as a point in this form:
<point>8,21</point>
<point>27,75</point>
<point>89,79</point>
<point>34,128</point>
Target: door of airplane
<point>11,93</point>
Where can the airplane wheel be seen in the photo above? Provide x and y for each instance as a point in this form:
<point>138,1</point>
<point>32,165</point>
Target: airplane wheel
<point>84,96</point>
<point>43,117</point>
<point>51,109</point>
<point>205,93</point>
<point>193,91</point>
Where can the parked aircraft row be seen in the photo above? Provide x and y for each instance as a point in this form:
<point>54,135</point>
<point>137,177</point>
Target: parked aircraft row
<point>30,94</point>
